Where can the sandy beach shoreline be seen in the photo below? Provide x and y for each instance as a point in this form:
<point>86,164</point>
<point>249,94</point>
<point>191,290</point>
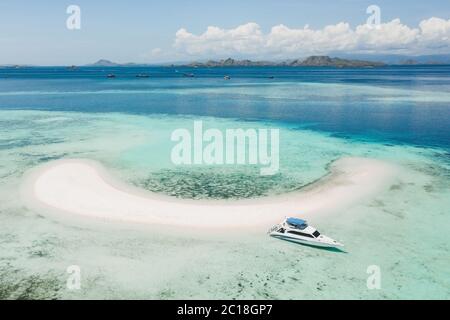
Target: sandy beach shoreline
<point>84,188</point>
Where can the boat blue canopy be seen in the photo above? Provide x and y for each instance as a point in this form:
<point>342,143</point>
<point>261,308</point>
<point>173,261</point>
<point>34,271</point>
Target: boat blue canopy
<point>296,222</point>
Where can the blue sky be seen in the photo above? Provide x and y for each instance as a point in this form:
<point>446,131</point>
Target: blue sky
<point>34,32</point>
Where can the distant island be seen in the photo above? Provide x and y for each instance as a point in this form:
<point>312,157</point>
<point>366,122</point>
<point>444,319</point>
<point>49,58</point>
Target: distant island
<point>108,63</point>
<point>313,61</point>
<point>104,63</point>
<point>339,61</point>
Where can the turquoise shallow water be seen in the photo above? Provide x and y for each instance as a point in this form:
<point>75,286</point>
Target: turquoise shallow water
<point>403,230</point>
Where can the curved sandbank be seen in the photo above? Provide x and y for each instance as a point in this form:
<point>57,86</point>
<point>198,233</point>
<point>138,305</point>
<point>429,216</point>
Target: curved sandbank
<point>84,188</point>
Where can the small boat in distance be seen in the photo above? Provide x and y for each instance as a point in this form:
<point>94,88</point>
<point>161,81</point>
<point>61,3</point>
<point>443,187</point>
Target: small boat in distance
<point>298,230</point>
<point>111,75</point>
<point>188,75</point>
<point>227,77</point>
<point>142,75</point>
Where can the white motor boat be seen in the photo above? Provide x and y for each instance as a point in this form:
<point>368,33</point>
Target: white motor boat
<point>298,230</point>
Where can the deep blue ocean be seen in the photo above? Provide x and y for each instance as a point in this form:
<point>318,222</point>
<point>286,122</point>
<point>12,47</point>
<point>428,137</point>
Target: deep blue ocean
<point>394,104</point>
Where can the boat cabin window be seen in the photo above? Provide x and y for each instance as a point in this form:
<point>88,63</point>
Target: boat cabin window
<point>316,234</point>
<point>301,234</point>
<point>298,226</point>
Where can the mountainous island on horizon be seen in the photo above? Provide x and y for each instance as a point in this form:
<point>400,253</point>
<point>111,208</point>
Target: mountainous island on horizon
<point>311,61</point>
<point>338,61</point>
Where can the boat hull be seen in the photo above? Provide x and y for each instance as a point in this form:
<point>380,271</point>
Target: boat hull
<point>301,240</point>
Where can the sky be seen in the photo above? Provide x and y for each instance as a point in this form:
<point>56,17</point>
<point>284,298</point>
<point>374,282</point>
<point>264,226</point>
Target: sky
<point>35,32</point>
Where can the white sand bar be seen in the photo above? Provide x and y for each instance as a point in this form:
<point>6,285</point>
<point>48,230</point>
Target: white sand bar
<point>84,188</point>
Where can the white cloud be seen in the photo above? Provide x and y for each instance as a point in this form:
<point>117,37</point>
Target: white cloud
<point>282,39</point>
<point>387,36</point>
<point>435,32</point>
<point>245,38</point>
<point>431,36</point>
